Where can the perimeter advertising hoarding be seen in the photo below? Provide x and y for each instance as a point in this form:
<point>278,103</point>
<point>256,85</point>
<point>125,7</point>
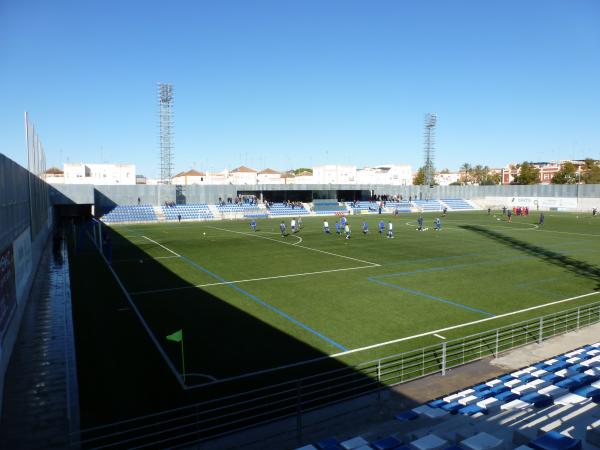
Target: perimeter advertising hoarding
<point>8,293</point>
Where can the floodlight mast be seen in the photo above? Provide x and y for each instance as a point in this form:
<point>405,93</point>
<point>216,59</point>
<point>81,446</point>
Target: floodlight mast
<point>165,112</point>
<point>429,148</point>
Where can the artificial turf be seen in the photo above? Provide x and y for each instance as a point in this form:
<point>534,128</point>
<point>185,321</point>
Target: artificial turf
<point>249,301</point>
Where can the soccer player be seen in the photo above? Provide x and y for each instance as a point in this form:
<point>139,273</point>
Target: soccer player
<point>444,211</point>
<point>253,225</point>
<point>390,234</point>
<point>343,221</point>
<point>293,225</point>
<point>337,228</point>
<point>541,218</point>
<point>489,211</point>
<point>347,230</point>
<point>381,226</point>
<point>365,227</point>
<point>282,228</point>
<point>420,222</point>
<point>300,222</point>
<point>509,214</point>
<point>437,224</point>
<point>325,226</point>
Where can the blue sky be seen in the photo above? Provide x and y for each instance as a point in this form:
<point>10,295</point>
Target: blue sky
<point>299,83</point>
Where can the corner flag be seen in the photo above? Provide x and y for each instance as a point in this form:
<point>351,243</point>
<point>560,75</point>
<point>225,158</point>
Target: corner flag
<point>177,336</point>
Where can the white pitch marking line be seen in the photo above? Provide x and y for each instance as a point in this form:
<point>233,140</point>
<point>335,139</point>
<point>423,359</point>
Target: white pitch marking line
<point>223,283</point>
<point>439,336</point>
<point>301,246</point>
<point>441,330</point>
<point>147,259</point>
<point>160,245</point>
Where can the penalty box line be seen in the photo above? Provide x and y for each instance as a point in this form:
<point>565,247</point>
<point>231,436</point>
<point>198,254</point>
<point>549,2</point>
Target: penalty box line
<point>297,245</point>
<point>382,344</point>
<point>254,298</point>
<point>274,277</point>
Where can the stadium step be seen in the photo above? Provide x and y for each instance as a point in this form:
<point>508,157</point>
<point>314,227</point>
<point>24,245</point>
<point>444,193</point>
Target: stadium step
<point>160,215</point>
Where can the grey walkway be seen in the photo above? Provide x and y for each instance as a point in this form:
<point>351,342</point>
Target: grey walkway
<point>40,392</point>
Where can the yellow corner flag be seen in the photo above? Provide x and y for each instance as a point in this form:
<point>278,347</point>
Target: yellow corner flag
<point>177,336</point>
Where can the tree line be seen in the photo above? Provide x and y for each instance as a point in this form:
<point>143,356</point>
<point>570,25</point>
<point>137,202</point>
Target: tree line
<point>569,173</point>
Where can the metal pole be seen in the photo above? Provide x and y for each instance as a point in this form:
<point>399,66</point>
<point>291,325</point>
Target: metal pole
<point>578,314</point>
<point>541,335</point>
<point>100,236</point>
<point>497,342</point>
<point>443,358</point>
<point>299,410</point>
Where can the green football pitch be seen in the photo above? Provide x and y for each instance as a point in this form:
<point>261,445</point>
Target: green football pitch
<point>249,301</point>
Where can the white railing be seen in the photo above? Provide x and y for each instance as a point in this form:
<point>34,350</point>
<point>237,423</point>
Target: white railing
<point>218,417</point>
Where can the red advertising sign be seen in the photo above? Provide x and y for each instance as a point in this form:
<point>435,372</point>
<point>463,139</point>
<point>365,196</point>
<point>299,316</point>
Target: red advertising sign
<point>8,291</point>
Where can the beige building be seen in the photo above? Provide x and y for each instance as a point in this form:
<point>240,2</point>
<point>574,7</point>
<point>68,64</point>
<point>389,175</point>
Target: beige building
<point>189,177</point>
<point>269,176</point>
<point>243,175</point>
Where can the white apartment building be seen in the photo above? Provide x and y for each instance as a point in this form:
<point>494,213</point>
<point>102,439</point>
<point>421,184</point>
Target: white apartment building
<point>269,176</point>
<point>398,175</point>
<point>446,179</point>
<point>334,174</point>
<point>243,175</point>
<point>82,173</point>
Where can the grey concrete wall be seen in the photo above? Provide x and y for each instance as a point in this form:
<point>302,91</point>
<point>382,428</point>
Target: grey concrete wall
<point>14,201</point>
<point>16,220</point>
<point>107,196</point>
<point>69,194</point>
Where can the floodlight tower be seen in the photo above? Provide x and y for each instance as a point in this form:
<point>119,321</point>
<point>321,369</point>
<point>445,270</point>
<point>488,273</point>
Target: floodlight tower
<point>165,112</point>
<point>429,147</point>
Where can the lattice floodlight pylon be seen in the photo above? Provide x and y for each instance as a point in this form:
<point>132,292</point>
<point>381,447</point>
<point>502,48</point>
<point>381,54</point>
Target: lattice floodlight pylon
<point>165,112</point>
<point>429,148</point>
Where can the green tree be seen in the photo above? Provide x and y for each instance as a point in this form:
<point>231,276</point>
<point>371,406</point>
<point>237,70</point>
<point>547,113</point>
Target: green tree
<point>466,170</point>
<point>591,172</point>
<point>528,174</point>
<point>566,174</point>
<point>301,169</point>
<point>419,178</point>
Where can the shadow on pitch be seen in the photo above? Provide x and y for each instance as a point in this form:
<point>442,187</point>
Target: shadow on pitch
<point>579,268</point>
<point>123,375</point>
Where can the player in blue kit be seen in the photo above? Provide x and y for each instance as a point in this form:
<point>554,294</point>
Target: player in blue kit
<point>337,227</point>
<point>282,228</point>
<point>365,227</point>
<point>420,222</point>
<point>253,225</point>
<point>437,224</point>
<point>381,226</point>
<point>343,221</point>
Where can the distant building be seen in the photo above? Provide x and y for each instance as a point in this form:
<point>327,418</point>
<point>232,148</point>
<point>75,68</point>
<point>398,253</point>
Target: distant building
<point>269,176</point>
<point>54,176</point>
<point>304,177</point>
<point>398,175</point>
<point>334,174</point>
<point>141,179</point>
<point>243,175</point>
<point>100,174</point>
<point>547,170</point>
<point>189,177</point>
<point>446,179</point>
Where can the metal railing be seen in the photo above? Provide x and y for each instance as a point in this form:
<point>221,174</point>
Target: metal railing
<point>215,418</point>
